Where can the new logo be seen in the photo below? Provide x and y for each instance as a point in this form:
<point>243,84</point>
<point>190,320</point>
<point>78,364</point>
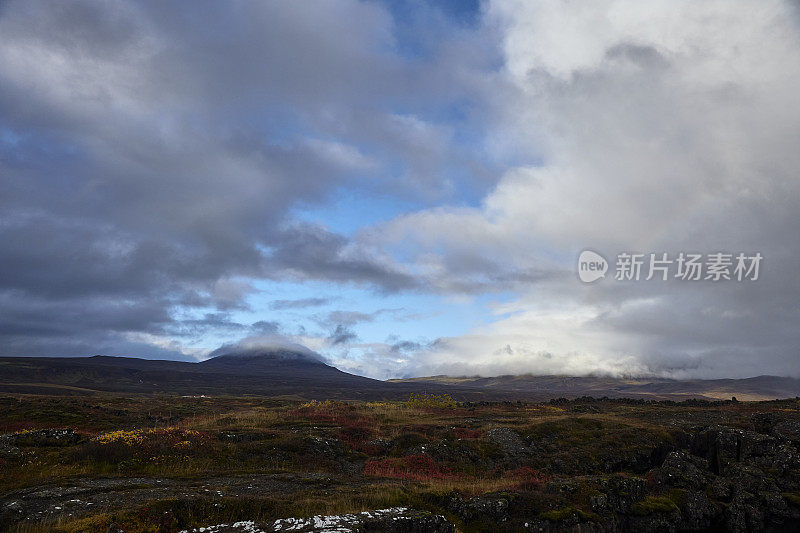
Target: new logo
<point>591,266</point>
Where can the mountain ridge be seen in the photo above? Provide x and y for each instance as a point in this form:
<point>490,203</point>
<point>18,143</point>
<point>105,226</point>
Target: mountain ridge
<point>299,374</point>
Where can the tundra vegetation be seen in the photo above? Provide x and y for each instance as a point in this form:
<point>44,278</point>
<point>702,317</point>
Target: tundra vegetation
<point>170,463</point>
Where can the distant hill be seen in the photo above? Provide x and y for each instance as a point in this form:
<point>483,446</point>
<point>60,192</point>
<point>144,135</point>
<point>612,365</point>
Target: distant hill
<point>298,374</point>
<point>755,388</point>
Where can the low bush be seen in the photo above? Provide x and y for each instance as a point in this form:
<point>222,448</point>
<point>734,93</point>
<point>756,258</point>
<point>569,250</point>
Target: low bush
<point>412,467</point>
<point>527,478</point>
<point>425,400</point>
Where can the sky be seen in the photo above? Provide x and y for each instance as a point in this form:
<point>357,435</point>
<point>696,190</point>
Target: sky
<point>403,187</point>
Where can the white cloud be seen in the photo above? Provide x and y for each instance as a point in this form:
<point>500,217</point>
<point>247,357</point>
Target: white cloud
<point>660,126</point>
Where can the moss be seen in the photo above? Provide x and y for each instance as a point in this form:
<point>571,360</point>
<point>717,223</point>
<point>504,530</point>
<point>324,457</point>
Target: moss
<point>653,505</point>
<point>566,513</point>
<point>678,497</point>
<point>792,498</point>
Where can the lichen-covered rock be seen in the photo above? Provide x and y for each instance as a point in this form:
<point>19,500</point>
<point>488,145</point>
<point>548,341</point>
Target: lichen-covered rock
<point>330,450</point>
<point>788,430</point>
<point>492,507</point>
<point>460,451</point>
<point>249,436</point>
<point>724,446</point>
<point>632,461</point>
<point>569,519</point>
<point>515,450</point>
<point>666,522</point>
<point>698,511</point>
<point>622,492</point>
<point>570,526</point>
<point>681,469</point>
<point>743,514</point>
<point>46,437</point>
<point>749,478</point>
<point>379,445</point>
<point>756,502</point>
<point>764,422</point>
<point>7,448</point>
<point>393,520</point>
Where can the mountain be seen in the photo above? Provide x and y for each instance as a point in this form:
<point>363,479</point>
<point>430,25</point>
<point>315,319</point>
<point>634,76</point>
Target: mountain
<point>289,369</point>
<point>273,373</point>
<point>303,374</point>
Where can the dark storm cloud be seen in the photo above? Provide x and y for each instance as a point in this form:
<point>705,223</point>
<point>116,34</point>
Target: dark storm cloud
<point>150,153</point>
<point>312,252</point>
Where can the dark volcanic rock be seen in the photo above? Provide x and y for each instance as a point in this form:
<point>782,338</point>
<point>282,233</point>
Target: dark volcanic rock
<point>668,522</point>
<point>789,430</point>
<point>764,422</point>
<point>491,508</point>
<point>698,511</point>
<point>622,492</point>
<point>681,469</point>
<point>723,446</point>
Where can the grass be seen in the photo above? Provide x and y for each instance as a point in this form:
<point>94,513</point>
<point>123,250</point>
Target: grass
<point>567,513</point>
<point>373,454</point>
<point>653,505</point>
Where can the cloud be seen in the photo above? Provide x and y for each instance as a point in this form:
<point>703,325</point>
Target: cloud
<point>342,335</point>
<point>311,252</point>
<point>152,154</point>
<point>273,345</point>
<point>302,303</point>
<point>640,127</point>
<point>352,318</point>
<point>406,346</point>
<point>154,157</point>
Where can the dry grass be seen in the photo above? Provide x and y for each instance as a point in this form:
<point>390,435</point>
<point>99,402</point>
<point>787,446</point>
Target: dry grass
<point>256,418</point>
<point>246,436</point>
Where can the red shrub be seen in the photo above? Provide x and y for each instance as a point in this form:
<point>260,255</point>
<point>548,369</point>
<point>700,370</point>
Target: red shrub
<point>468,434</point>
<point>333,413</point>
<point>356,432</point>
<point>429,430</point>
<point>355,428</point>
<point>412,467</point>
<point>528,478</point>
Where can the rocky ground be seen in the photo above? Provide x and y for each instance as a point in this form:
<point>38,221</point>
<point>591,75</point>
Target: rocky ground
<point>393,520</point>
<point>583,465</point>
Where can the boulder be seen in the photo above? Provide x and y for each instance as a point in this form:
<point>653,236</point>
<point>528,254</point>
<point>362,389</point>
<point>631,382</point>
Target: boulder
<point>683,470</point>
<point>492,507</point>
<point>515,450</point>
